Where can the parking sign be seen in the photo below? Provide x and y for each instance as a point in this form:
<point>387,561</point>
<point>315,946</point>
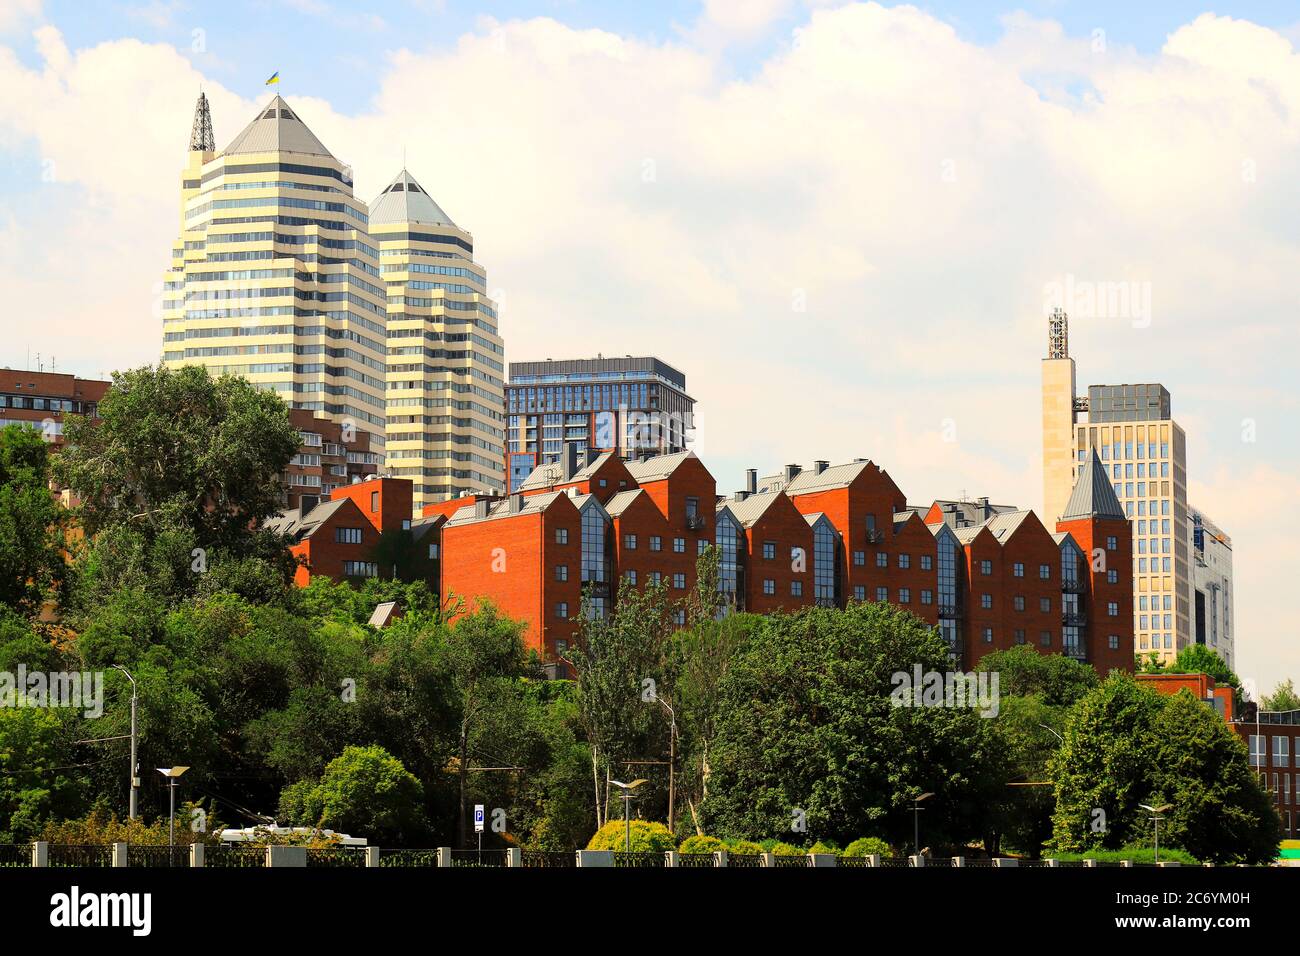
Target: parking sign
<point>478,818</point>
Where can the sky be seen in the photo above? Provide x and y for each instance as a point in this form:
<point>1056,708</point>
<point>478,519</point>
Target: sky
<point>845,223</point>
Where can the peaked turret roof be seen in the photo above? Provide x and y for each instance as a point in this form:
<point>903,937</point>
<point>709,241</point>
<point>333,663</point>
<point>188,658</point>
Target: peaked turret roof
<point>405,200</point>
<point>1093,496</point>
<point>277,129</point>
<point>201,139</point>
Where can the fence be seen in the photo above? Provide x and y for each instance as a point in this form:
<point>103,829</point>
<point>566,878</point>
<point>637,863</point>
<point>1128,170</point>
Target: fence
<point>253,856</point>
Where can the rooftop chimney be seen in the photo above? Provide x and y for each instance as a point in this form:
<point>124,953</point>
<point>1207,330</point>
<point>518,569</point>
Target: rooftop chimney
<point>820,466</point>
<point>742,495</point>
<point>791,472</point>
<point>481,507</point>
<point>569,461</point>
<point>516,503</point>
<point>751,481</point>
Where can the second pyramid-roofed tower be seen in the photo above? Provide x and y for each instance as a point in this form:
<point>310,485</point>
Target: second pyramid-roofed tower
<point>446,364</point>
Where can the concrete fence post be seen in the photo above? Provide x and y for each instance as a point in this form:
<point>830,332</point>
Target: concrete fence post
<point>917,859</point>
<point>1169,863</point>
<point>1052,861</point>
<point>444,856</point>
<point>372,856</point>
<point>1089,862</point>
<point>295,856</point>
<point>196,855</point>
<point>822,859</point>
<point>1005,861</point>
<point>120,857</point>
<point>1125,862</point>
<point>595,858</point>
<point>514,857</point>
<point>40,853</point>
<point>767,859</point>
<point>670,859</point>
<point>959,861</point>
<point>873,860</point>
<point>720,858</point>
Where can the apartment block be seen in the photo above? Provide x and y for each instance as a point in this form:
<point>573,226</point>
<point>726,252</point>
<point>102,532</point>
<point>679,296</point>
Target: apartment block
<point>330,457</point>
<point>43,399</point>
<point>631,406</point>
<point>1212,602</point>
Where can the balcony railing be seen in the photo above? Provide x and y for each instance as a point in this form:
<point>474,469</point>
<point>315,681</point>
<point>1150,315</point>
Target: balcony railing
<point>1074,619</point>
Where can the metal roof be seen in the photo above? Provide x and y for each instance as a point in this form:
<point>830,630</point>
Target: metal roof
<point>621,501</point>
<point>1093,495</point>
<point>836,476</point>
<point>658,468</point>
<point>405,200</point>
<point>753,507</point>
<point>299,526</point>
<point>277,129</point>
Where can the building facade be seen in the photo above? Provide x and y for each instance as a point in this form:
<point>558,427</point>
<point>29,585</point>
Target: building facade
<point>43,399</point>
<point>631,406</point>
<point>1144,453</point>
<point>330,457</point>
<point>446,371</point>
<point>1212,602</point>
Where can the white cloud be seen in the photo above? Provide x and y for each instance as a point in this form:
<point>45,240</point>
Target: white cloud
<point>843,251</point>
<point>15,14</point>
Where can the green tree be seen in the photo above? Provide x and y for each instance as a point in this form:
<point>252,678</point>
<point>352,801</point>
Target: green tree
<point>31,559</point>
<point>176,475</point>
<point>365,791</point>
<point>1199,659</point>
<point>1284,697</point>
<point>808,725</point>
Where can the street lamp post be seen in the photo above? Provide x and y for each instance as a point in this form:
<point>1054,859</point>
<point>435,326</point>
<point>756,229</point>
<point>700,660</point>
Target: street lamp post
<point>672,762</point>
<point>135,767</point>
<point>1157,814</point>
<point>916,819</point>
<point>172,774</point>
<point>627,789</point>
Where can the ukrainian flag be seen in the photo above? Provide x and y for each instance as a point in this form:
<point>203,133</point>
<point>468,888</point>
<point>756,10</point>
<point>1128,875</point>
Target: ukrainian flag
<point>275,78</point>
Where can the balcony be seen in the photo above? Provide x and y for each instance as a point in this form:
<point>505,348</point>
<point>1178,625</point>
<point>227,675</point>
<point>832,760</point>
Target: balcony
<point>949,612</point>
<point>1074,587</point>
<point>1074,619</point>
<point>695,522</point>
<point>1076,652</point>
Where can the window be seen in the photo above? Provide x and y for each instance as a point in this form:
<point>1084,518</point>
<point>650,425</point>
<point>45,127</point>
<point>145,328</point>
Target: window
<point>433,552</point>
<point>796,588</point>
<point>655,577</point>
<point>859,592</point>
<point>347,535</point>
<point>927,562</point>
<point>1112,576</point>
<point>630,576</point>
<point>1045,639</point>
<point>679,581</point>
<point>1045,605</point>
<point>1020,635</point>
<point>882,559</point>
<point>859,559</point>
<point>700,545</point>
<point>374,501</point>
<point>562,610</point>
<point>679,545</point>
<point>360,569</point>
<point>1112,543</point>
<point>986,601</point>
<point>1018,602</point>
<point>1281,751</point>
<point>1045,572</point>
<point>769,586</point>
<point>692,510</point>
<point>679,617</point>
<point>927,597</point>
<point>986,567</point>
<point>629,542</point>
<point>904,560</point>
<point>882,594</point>
<point>1018,570</point>
<point>561,572</point>
<point>769,550</point>
<point>1112,609</point>
<point>561,535</point>
<point>988,635</point>
<point>904,595</point>
<point>656,543</point>
<point>1113,642</point>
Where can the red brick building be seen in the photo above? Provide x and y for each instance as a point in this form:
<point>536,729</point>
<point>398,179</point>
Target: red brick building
<point>331,456</point>
<point>42,399</point>
<point>988,577</point>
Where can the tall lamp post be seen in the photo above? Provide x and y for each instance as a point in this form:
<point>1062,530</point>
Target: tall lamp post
<point>135,767</point>
<point>1157,814</point>
<point>627,789</point>
<point>916,819</point>
<point>172,774</point>
<point>672,761</point>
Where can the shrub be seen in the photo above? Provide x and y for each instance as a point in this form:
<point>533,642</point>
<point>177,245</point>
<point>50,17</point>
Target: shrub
<point>824,847</point>
<point>1138,854</point>
<point>865,846</point>
<point>701,844</point>
<point>743,847</point>
<point>784,849</point>
<point>647,837</point>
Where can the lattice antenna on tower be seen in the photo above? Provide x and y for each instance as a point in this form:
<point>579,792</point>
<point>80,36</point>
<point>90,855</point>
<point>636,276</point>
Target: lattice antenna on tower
<point>201,138</point>
<point>1058,335</point>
